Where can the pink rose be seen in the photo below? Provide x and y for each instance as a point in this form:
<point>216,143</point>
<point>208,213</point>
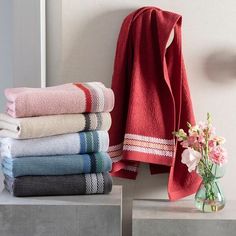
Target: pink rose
<point>191,158</point>
<point>218,155</point>
<point>191,140</point>
<point>211,143</point>
<point>201,139</point>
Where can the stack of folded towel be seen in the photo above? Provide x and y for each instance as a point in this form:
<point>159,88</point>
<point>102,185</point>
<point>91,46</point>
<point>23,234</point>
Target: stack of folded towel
<point>54,140</point>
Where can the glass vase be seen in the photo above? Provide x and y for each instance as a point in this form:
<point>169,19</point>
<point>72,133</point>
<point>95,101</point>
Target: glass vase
<point>209,197</point>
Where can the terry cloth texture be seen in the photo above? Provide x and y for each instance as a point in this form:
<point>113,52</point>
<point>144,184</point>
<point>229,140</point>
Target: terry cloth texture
<point>43,126</point>
<point>152,100</point>
<point>57,165</point>
<point>100,183</point>
<point>64,144</point>
<point>63,99</point>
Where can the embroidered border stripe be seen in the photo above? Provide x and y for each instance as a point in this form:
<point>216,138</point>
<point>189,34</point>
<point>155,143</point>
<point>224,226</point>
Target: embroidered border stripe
<point>96,141</point>
<point>94,185</point>
<point>87,95</point>
<point>89,141</point>
<point>99,121</point>
<point>146,144</point>
<point>115,153</point>
<point>148,150</point>
<point>100,183</point>
<point>93,163</point>
<point>83,143</point>
<point>94,97</point>
<point>98,96</point>
<point>99,162</point>
<point>88,183</point>
<point>115,147</point>
<point>87,122</point>
<point>150,139</point>
<point>142,144</point>
<point>116,159</point>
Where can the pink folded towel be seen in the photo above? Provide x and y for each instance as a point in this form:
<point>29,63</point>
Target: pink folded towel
<point>69,98</point>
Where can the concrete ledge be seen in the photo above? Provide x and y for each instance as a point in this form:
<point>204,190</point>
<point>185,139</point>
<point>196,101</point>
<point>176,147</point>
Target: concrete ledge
<point>164,218</point>
<point>98,215</point>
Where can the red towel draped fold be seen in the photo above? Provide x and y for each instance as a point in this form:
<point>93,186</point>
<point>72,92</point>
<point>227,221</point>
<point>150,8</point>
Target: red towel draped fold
<point>152,100</point>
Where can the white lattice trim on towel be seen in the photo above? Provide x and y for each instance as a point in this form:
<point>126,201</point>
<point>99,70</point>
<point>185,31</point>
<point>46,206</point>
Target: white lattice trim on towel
<point>115,147</point>
<point>149,145</point>
<point>150,139</point>
<point>116,159</point>
<point>115,152</point>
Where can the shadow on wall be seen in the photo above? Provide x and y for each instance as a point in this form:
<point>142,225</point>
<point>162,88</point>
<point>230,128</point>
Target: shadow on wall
<point>220,66</point>
<point>91,55</point>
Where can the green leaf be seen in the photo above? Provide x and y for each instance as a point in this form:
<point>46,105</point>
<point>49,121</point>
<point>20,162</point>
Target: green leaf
<point>209,120</point>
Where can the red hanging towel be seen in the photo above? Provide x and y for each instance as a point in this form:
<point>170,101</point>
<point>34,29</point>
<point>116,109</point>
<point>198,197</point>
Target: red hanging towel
<point>152,100</point>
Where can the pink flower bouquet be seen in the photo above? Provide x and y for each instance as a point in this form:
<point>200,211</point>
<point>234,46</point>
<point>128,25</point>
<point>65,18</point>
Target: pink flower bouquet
<point>204,153</point>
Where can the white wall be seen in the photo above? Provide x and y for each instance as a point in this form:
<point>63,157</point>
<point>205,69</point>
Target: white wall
<point>26,43</point>
<point>5,47</point>
<point>82,37</point>
<point>5,53</point>
<point>20,44</point>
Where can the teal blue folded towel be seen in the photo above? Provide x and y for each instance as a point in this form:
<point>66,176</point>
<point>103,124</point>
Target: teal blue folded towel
<point>57,165</point>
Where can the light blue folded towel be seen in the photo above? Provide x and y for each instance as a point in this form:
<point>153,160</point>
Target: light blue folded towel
<point>57,165</point>
<point>76,143</point>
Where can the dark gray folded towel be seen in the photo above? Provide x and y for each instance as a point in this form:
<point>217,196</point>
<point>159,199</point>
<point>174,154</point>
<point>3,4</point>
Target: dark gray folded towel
<point>97,183</point>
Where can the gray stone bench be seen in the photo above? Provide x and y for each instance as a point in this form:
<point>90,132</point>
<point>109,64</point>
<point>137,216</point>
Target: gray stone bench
<point>88,215</point>
<point>164,218</point>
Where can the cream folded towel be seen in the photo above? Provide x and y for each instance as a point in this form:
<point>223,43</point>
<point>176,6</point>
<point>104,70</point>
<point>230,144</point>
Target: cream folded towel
<point>43,126</point>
